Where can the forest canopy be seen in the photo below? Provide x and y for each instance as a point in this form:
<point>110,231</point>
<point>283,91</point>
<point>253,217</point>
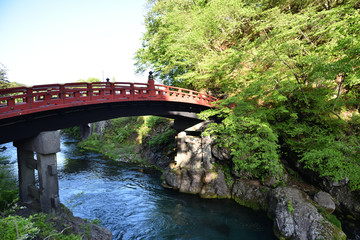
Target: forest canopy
<point>289,70</point>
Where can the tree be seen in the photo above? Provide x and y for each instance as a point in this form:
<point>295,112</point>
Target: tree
<point>290,70</point>
<point>3,74</point>
<point>89,80</point>
<point>4,82</point>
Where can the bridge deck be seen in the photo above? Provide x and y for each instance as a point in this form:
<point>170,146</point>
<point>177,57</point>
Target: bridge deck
<point>26,100</point>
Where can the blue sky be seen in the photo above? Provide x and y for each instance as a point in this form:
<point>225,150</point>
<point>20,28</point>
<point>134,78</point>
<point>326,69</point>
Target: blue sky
<point>58,41</point>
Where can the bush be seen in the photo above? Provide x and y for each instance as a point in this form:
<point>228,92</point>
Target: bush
<point>73,132</point>
<point>8,188</point>
<point>35,227</point>
<point>165,139</point>
<point>153,121</point>
<point>16,227</point>
<point>48,231</point>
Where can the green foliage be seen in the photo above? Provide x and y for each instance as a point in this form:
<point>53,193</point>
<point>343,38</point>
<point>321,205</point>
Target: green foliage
<point>150,124</point>
<point>73,132</point>
<point>48,231</point>
<point>4,84</point>
<point>3,75</point>
<point>95,221</point>
<point>37,226</point>
<point>117,140</point>
<point>122,136</point>
<point>290,207</point>
<point>153,121</point>
<point>330,217</point>
<point>253,145</point>
<point>89,80</point>
<point>229,180</point>
<point>16,227</point>
<point>8,189</point>
<point>122,130</point>
<point>290,70</point>
<point>164,139</point>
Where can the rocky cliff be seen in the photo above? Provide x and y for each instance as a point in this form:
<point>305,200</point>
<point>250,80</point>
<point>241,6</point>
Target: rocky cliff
<point>201,167</point>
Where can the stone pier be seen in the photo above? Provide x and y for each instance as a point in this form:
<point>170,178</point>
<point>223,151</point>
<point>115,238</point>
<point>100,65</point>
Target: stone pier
<point>85,131</point>
<point>45,194</point>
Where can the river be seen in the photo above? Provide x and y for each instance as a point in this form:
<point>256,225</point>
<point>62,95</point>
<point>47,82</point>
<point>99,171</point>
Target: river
<point>130,201</point>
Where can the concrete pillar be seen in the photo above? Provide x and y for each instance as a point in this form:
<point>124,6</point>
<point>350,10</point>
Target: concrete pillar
<point>49,186</point>
<point>85,131</point>
<point>26,174</point>
<point>46,145</point>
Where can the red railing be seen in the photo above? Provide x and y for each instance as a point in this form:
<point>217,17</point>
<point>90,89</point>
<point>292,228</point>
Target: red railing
<point>26,100</point>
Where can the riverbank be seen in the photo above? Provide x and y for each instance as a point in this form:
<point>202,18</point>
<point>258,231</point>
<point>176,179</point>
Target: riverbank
<point>294,213</point>
<point>298,208</point>
<point>128,200</point>
<point>26,221</point>
<point>29,223</point>
<point>285,201</point>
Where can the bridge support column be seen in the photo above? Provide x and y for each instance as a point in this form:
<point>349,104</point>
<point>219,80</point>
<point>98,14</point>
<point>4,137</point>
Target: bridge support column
<point>85,131</point>
<point>26,165</point>
<point>45,145</point>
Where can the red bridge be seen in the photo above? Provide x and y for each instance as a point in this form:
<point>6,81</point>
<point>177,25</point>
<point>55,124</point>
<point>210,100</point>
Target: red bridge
<point>26,111</point>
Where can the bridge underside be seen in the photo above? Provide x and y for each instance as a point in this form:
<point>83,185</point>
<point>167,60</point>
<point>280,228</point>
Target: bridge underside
<point>22,127</point>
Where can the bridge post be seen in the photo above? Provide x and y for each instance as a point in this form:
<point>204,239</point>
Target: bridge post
<point>85,131</point>
<point>26,165</point>
<point>46,145</point>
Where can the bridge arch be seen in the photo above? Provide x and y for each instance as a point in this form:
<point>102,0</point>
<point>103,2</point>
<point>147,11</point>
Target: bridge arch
<point>28,116</point>
<point>27,111</point>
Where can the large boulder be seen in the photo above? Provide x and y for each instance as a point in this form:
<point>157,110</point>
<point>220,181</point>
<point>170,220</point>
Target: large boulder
<point>251,194</point>
<point>193,170</point>
<point>295,217</point>
<point>191,180</point>
<point>219,153</point>
<point>325,200</point>
<point>157,158</point>
<point>186,181</point>
<point>172,179</point>
<point>214,185</point>
<point>348,201</point>
<point>209,184</point>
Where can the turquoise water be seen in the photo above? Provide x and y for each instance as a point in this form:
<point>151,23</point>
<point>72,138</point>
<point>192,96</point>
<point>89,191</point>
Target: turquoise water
<point>131,203</point>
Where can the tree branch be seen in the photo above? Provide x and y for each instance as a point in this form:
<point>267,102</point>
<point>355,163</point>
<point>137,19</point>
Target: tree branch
<point>342,77</point>
<point>291,69</point>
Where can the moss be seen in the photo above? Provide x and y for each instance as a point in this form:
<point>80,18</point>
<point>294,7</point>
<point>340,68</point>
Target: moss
<point>209,196</point>
<point>250,204</point>
<point>290,207</point>
<point>229,179</point>
<point>351,217</point>
<point>330,217</point>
